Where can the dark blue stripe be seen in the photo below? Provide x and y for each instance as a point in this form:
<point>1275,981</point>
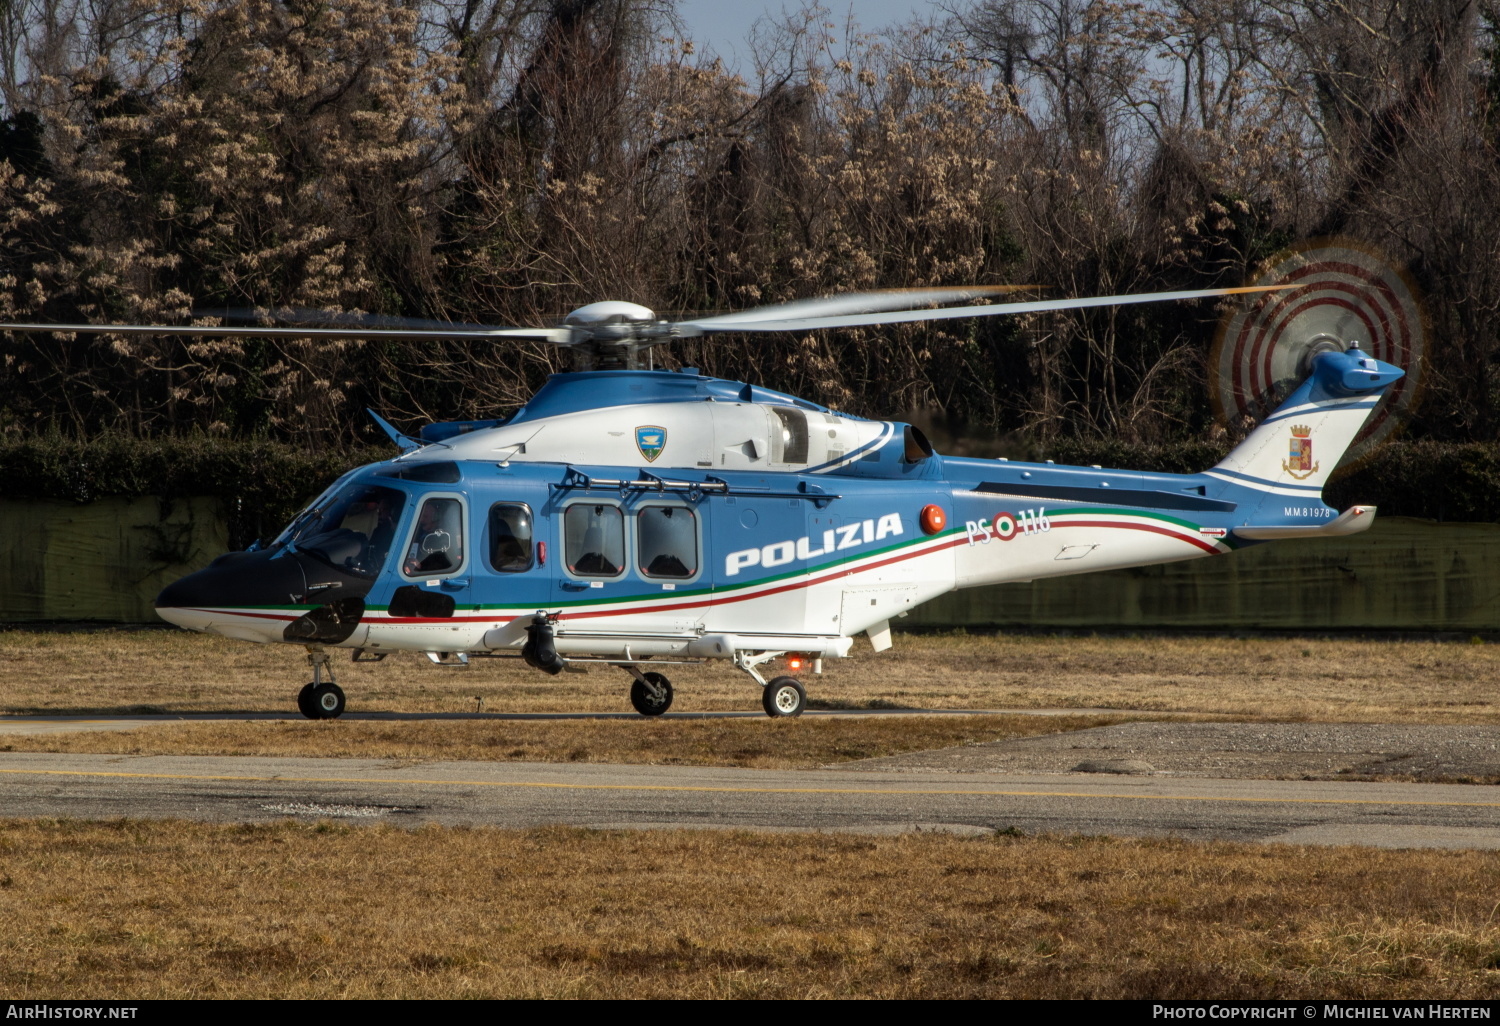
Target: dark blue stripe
<point>1316,489</point>
<point>1330,408</point>
<point>886,432</point>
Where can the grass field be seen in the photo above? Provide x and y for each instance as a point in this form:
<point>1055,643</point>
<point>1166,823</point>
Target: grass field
<point>133,909</point>
<point>123,671</point>
<point>171,909</point>
<point>753,743</point>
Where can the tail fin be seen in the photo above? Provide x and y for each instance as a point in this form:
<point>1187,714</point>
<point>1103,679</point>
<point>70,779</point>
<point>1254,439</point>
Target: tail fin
<point>1292,452</point>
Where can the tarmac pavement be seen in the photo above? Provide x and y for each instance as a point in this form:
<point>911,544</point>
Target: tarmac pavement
<point>508,794</point>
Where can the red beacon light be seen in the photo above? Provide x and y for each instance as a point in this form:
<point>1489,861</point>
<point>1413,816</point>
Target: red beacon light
<point>796,662</point>
<point>933,519</point>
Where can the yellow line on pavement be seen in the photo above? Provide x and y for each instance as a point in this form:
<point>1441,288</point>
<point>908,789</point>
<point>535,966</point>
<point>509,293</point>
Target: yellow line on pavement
<point>537,784</point>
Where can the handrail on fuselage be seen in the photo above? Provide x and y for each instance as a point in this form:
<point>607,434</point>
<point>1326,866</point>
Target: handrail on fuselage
<point>577,480</point>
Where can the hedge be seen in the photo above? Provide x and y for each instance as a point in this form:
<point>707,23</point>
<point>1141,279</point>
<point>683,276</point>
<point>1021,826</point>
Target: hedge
<point>263,484</point>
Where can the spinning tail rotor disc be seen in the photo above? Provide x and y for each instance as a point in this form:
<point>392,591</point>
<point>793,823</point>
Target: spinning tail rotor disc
<point>1351,293</point>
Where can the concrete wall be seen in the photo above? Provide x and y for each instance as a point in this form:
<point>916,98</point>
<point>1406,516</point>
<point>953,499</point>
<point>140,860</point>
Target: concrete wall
<point>1401,574</point>
<point>103,561</point>
<point>107,560</point>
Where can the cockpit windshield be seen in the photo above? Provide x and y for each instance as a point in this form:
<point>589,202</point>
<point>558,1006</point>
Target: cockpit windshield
<point>351,530</point>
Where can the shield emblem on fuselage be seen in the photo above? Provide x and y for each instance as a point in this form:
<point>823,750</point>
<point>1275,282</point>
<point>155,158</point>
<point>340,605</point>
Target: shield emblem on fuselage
<point>650,440</point>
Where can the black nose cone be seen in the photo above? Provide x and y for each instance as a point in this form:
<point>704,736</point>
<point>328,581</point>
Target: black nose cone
<point>180,594</point>
<point>238,579</point>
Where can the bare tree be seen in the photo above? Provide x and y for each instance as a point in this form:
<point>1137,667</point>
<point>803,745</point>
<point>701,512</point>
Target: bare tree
<point>503,161</point>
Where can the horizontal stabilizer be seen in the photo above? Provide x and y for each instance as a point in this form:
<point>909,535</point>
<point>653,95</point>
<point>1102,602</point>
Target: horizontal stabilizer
<point>1352,521</point>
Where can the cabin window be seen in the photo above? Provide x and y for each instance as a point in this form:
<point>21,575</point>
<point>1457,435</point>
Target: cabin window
<point>594,540</point>
<point>510,537</point>
<point>667,541</point>
<point>437,542</point>
<point>352,530</point>
<point>788,435</point>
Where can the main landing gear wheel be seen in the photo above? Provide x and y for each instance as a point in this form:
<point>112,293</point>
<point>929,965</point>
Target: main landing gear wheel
<point>652,696</point>
<point>321,701</point>
<point>783,697</point>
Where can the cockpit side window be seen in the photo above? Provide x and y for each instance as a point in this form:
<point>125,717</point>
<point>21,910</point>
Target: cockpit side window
<point>352,530</point>
<point>437,541</point>
<point>510,537</point>
<point>667,541</point>
<point>788,435</point>
<point>594,540</point>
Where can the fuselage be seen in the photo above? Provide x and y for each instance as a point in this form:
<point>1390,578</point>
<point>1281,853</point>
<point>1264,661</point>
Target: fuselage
<point>659,514</point>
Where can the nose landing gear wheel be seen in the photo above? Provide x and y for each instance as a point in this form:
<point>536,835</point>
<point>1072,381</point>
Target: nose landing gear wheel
<point>653,696</point>
<point>783,697</point>
<point>321,701</point>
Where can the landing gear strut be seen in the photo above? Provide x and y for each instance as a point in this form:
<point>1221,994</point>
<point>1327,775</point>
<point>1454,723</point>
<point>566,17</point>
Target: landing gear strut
<point>783,696</point>
<point>320,700</point>
<point>651,694</point>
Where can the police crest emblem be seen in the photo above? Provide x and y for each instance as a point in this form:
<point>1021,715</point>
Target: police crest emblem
<point>650,440</point>
<point>1299,462</point>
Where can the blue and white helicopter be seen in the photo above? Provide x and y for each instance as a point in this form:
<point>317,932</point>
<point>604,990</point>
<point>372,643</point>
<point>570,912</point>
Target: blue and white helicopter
<point>636,518</point>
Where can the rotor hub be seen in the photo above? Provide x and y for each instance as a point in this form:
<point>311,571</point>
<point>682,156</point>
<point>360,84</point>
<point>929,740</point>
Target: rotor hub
<point>1323,342</point>
<point>609,313</point>
<point>610,334</point>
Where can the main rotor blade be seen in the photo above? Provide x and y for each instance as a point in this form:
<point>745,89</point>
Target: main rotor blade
<point>712,326</point>
<point>301,315</point>
<point>853,303</point>
<point>559,336</point>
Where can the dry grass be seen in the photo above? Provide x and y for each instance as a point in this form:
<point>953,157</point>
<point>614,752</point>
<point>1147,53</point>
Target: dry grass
<point>125,671</point>
<point>171,909</point>
<point>759,743</point>
<point>122,671</point>
<point>163,909</point>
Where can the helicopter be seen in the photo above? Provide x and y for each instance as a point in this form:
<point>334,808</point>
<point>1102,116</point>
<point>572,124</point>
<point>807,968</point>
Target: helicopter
<point>639,518</point>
